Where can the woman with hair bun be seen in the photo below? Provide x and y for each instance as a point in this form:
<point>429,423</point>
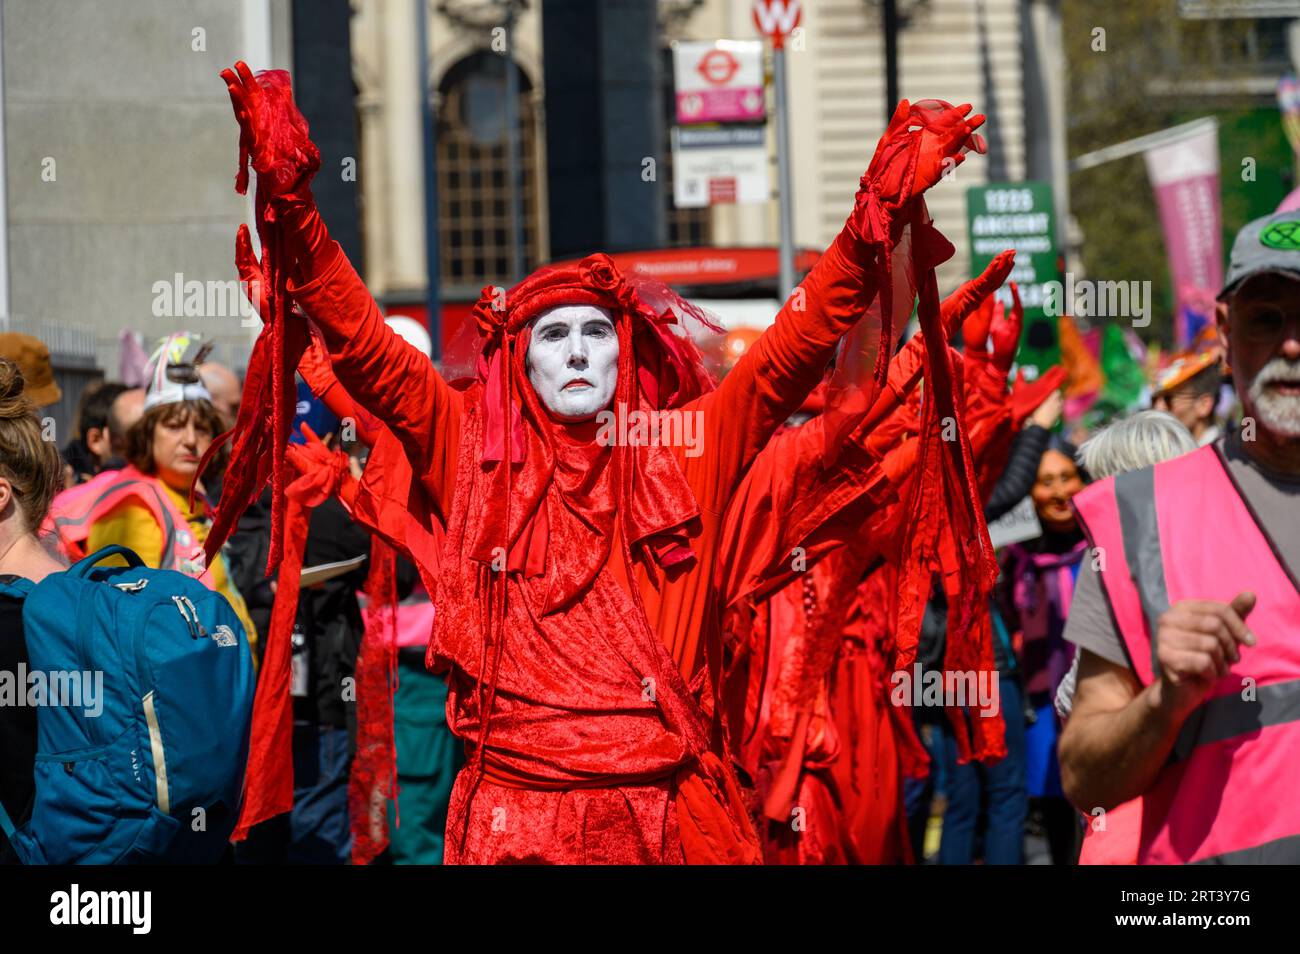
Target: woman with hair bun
<point>30,475</point>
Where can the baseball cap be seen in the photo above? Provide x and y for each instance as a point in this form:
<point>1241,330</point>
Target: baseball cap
<point>33,359</point>
<point>310,410</point>
<point>1270,244</point>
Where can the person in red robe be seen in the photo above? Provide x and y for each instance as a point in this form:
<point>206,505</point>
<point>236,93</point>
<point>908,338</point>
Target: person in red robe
<point>573,585</point>
<point>807,697</point>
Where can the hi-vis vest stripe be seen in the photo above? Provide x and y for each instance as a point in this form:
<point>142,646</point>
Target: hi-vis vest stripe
<point>1182,531</point>
<point>75,510</point>
<point>1135,496</point>
<point>76,525</point>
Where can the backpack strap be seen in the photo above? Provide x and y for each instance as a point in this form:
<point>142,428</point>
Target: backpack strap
<point>6,824</point>
<point>19,589</point>
<point>81,569</point>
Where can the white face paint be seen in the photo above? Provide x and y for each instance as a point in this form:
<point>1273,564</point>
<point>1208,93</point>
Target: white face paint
<point>573,360</point>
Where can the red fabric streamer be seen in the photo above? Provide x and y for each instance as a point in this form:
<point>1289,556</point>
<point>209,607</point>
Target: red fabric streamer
<point>274,140</point>
<point>268,778</point>
<point>374,769</point>
<point>956,549</point>
<point>923,142</point>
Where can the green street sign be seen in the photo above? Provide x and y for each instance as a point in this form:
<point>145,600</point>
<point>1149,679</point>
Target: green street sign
<point>1020,215</point>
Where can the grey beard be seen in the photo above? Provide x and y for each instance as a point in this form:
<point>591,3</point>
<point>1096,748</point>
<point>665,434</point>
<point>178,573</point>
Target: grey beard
<point>1279,413</point>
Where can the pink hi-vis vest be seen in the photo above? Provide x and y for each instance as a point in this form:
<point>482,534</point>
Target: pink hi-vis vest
<point>1181,531</point>
<point>75,510</point>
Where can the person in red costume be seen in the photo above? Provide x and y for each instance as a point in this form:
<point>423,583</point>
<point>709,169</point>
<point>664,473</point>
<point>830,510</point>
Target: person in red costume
<point>573,585</point>
<point>994,416</point>
<point>821,750</point>
<point>810,717</point>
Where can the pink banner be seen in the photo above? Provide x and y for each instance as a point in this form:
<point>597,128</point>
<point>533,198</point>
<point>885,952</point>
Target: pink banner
<point>1185,177</point>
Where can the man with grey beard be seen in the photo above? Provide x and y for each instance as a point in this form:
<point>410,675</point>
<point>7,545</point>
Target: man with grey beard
<point>1180,700</point>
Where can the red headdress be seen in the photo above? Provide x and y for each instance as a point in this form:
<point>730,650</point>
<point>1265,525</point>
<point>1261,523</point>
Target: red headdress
<point>659,368</point>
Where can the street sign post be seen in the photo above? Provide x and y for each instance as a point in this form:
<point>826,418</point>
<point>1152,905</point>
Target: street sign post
<point>719,165</point>
<point>776,19</point>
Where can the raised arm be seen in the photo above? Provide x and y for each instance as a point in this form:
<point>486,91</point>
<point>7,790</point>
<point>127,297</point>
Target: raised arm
<point>791,504</point>
<point>382,373</point>
<point>786,363</point>
<point>770,382</point>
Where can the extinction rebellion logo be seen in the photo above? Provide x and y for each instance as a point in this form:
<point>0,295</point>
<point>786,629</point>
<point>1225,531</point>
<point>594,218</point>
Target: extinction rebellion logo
<point>1282,235</point>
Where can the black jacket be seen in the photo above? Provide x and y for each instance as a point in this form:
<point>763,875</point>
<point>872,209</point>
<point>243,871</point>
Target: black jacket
<point>17,727</point>
<point>1020,473</point>
<point>329,618</point>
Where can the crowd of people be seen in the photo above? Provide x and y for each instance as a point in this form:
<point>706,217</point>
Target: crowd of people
<point>487,631</point>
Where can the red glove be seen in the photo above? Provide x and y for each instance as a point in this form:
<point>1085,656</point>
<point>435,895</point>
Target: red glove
<point>964,305</point>
<point>315,366</point>
<point>923,142</point>
<point>320,470</point>
<point>975,334</point>
<point>272,132</point>
<point>1006,335</point>
<point>250,271</point>
<point>900,462</point>
<point>1026,396</point>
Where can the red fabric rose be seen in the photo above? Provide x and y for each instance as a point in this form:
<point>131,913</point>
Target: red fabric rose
<point>599,272</point>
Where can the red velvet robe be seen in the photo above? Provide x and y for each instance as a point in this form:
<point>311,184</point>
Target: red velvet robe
<point>597,742</point>
<point>809,719</point>
<point>807,688</point>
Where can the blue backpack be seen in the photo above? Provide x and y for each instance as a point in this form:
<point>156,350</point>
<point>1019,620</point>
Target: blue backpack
<point>151,768</point>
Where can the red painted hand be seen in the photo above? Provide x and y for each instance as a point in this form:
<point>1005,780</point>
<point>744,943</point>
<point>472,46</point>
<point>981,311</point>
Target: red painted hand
<point>273,134</point>
<point>968,303</point>
<point>1006,331</point>
<point>250,271</point>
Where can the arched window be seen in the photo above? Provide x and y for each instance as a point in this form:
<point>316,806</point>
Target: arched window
<point>474,220</point>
